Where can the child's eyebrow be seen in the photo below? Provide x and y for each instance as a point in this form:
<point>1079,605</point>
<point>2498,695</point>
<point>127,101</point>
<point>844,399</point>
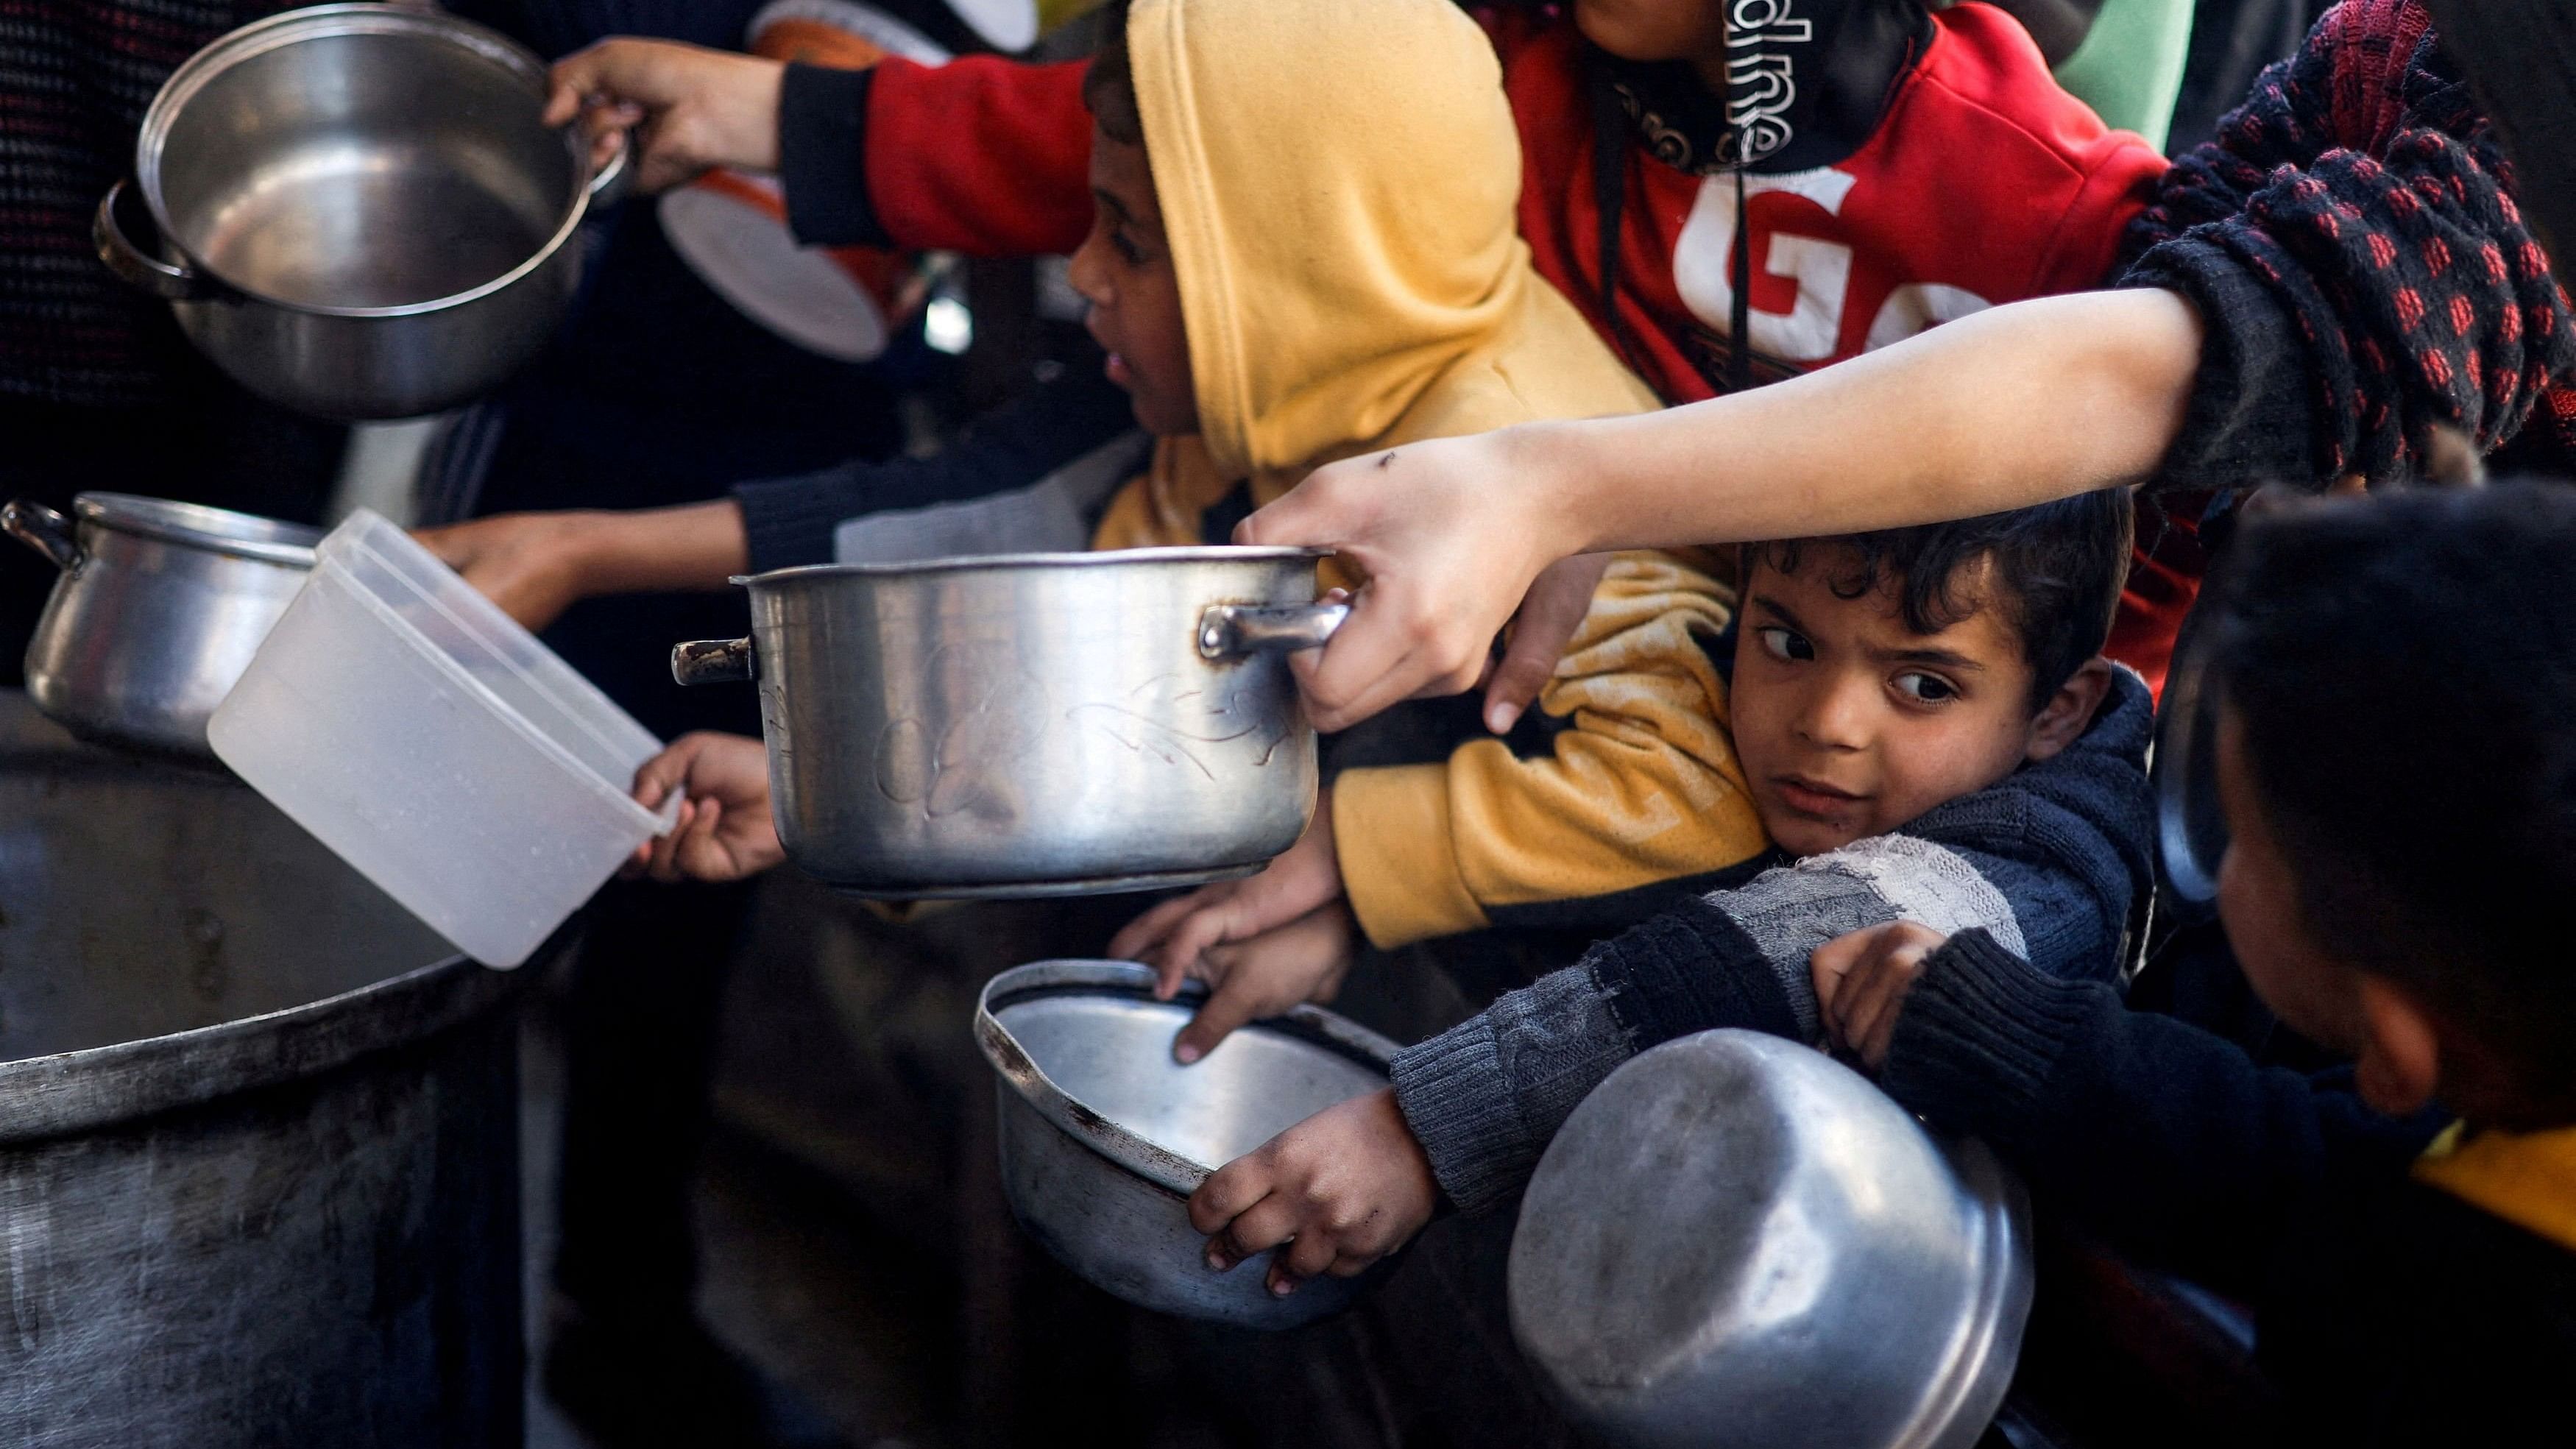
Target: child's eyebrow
<point>1778,610</point>
<point>1940,658</point>
<point>1116,207</point>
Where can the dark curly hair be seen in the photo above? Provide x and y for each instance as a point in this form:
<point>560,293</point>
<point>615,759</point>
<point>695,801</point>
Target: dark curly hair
<point>2054,569</point>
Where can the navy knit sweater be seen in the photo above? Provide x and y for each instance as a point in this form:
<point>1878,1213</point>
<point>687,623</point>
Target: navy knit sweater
<point>2386,1311</point>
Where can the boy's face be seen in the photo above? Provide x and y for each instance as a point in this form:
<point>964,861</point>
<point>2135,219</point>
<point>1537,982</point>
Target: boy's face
<point>1124,270</point>
<point>2401,1053</point>
<point>2258,902</point>
<point>1849,724</point>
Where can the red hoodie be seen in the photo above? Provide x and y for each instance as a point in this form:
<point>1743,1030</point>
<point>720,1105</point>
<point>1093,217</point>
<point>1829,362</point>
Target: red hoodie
<point>1983,182</point>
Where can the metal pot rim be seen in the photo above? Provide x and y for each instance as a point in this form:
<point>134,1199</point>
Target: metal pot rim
<point>1169,1171</point>
<point>318,22</point>
<point>1105,558</point>
<point>194,525</point>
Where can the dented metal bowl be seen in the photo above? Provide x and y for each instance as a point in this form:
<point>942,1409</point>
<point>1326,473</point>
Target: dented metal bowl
<point>1104,1136</point>
<point>1737,1240</point>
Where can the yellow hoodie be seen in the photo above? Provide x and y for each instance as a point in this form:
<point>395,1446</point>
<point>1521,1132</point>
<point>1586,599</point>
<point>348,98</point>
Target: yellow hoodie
<point>1338,181</point>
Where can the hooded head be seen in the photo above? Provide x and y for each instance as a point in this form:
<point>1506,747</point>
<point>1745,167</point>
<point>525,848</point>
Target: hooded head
<point>1335,182</point>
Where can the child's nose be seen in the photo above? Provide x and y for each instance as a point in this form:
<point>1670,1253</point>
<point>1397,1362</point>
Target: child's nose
<point>1085,274</point>
<point>1836,717</point>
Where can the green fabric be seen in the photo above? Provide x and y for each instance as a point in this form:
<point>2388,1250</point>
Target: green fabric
<point>2129,68</point>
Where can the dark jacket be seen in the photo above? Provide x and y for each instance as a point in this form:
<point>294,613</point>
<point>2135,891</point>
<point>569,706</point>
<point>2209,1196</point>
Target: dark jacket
<point>2387,1311</point>
<point>2051,860</point>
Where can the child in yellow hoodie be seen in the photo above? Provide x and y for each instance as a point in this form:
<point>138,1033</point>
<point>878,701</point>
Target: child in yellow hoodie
<point>1305,249</point>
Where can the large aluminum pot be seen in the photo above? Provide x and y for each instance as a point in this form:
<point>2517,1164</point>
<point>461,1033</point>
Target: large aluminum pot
<point>1104,1136</point>
<point>1736,1240</point>
<point>361,211</point>
<point>1032,724</point>
<point>258,1129</point>
<point>158,610</point>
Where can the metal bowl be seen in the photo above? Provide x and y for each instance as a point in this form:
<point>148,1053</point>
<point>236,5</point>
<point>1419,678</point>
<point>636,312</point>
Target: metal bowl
<point>1104,1136</point>
<point>1736,1239</point>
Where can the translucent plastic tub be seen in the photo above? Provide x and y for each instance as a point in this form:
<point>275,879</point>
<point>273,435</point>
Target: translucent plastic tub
<point>437,747</point>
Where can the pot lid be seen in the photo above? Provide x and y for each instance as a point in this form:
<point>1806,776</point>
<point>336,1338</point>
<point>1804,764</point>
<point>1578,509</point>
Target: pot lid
<point>194,525</point>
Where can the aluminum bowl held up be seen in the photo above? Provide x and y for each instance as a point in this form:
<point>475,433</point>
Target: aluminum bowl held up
<point>1736,1240</point>
<point>362,213</point>
<point>1032,724</point>
<point>158,610</point>
<point>1104,1136</point>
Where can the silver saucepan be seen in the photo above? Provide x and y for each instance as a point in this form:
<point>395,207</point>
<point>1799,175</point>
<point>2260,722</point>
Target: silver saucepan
<point>159,609</point>
<point>1032,724</point>
<point>362,213</point>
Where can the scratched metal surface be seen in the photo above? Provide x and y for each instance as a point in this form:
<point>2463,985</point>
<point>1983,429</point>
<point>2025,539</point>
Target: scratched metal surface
<point>946,728</point>
<point>258,1129</point>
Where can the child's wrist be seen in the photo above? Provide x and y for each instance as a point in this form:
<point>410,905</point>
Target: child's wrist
<point>1543,464</point>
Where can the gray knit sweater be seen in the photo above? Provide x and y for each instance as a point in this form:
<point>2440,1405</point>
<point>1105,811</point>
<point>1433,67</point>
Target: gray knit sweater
<point>2049,861</point>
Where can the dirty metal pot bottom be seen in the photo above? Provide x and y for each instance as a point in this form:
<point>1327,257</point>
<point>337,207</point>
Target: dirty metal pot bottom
<point>258,1129</point>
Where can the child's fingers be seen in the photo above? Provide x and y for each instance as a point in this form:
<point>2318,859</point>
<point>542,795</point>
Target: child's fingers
<point>1831,965</point>
<point>702,856</point>
<point>1261,1227</point>
<point>686,844</point>
<point>1550,613</point>
<point>1228,1191</point>
<point>1310,1253</point>
<point>1146,931</point>
<point>1234,1002</point>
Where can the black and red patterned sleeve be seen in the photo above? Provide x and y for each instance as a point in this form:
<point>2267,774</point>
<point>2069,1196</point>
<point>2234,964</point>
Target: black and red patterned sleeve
<point>2353,247</point>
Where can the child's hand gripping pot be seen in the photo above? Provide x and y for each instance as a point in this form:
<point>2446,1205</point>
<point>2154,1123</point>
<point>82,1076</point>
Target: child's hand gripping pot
<point>1334,1194</point>
<point>1264,944</point>
<point>724,831</point>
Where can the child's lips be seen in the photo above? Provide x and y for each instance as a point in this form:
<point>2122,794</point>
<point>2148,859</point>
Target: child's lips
<point>1117,371</point>
<point>1814,797</point>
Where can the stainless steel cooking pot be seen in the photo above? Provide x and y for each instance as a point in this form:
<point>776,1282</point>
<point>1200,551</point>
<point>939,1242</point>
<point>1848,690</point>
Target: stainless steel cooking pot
<point>361,213</point>
<point>1104,1136</point>
<point>1032,724</point>
<point>159,609</point>
<point>1736,1240</point>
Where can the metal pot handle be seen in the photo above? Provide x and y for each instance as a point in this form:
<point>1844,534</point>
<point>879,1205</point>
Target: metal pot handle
<point>610,183</point>
<point>134,266</point>
<point>714,661</point>
<point>45,531</point>
<point>1230,631</point>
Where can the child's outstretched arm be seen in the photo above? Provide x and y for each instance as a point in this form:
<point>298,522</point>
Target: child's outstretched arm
<point>536,565</point>
<point>2167,1139</point>
<point>2009,407</point>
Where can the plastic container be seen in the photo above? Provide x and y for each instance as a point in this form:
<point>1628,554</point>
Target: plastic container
<point>437,747</point>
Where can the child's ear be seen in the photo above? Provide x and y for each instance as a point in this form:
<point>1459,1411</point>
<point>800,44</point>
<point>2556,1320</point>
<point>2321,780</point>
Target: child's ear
<point>2069,710</point>
<point>2400,1062</point>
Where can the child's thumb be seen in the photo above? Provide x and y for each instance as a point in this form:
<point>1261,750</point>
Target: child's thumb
<point>1228,1008</point>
